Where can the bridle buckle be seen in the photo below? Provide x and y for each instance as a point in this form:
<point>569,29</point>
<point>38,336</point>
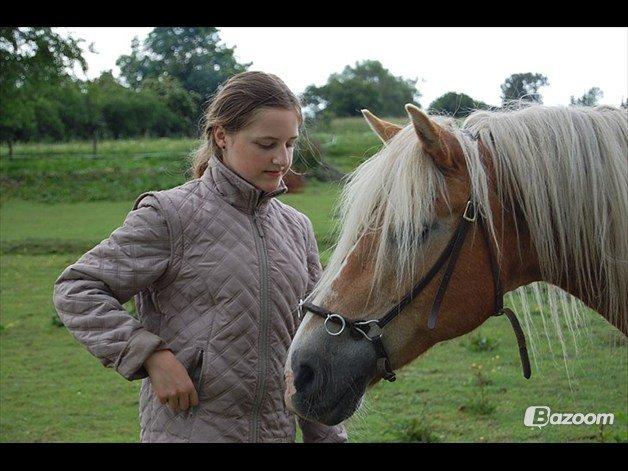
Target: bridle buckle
<point>378,331</point>
<point>470,207</point>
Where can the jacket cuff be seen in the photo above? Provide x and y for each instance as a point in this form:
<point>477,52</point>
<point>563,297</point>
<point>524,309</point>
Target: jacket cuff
<point>140,346</point>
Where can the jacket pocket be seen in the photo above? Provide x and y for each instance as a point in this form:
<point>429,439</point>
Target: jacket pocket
<point>197,371</point>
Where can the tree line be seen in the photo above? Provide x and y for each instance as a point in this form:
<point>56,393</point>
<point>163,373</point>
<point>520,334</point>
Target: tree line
<point>167,79</point>
<point>160,92</point>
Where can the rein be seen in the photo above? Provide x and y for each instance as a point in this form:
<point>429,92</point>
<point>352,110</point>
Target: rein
<point>360,329</point>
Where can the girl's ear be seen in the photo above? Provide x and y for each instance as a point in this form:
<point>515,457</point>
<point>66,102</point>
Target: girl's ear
<point>220,136</point>
<point>431,136</point>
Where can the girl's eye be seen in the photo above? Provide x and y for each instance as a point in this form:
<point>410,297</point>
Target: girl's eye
<point>270,146</point>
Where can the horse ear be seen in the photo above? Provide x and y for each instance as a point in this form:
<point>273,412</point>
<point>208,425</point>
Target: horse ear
<point>431,137</point>
<point>385,130</point>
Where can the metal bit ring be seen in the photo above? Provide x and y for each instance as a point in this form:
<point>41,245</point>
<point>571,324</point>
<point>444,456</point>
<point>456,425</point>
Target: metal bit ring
<point>342,327</point>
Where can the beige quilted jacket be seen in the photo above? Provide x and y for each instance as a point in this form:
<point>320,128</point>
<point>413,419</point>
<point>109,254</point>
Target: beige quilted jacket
<point>217,268</point>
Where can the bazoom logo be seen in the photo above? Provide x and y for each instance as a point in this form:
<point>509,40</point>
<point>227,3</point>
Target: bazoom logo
<point>540,416</point>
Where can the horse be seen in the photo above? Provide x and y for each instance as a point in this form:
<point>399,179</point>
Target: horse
<point>510,197</point>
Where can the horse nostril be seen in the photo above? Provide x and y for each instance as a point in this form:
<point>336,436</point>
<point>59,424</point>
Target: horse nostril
<point>303,376</point>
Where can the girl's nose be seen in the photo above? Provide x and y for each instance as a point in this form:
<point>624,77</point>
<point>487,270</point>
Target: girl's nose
<point>283,158</point>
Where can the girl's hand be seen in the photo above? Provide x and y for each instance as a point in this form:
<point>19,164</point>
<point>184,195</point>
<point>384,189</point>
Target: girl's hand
<point>171,381</point>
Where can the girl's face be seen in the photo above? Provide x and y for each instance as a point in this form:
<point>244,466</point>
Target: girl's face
<point>261,153</point>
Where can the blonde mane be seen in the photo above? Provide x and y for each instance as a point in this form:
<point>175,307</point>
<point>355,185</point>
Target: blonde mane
<point>565,168</point>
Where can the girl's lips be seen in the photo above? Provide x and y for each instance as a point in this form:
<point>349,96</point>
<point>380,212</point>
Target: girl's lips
<point>274,174</point>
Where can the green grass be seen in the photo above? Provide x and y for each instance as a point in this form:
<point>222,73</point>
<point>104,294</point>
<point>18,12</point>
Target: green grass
<point>439,397</point>
<point>29,227</point>
<point>347,142</point>
<point>318,203</point>
<point>91,221</point>
<point>121,170</point>
<point>54,390</point>
<point>109,146</point>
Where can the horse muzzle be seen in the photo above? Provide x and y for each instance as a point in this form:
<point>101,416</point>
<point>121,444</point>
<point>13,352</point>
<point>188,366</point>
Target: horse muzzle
<point>326,379</point>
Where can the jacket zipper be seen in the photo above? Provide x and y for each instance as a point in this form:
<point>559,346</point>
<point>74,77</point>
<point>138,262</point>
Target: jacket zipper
<point>260,244</point>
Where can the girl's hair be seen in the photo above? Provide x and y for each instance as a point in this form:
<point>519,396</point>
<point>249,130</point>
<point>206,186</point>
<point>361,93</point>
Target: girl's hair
<point>235,104</point>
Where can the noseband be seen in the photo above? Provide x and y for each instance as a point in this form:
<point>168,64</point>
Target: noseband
<point>371,330</point>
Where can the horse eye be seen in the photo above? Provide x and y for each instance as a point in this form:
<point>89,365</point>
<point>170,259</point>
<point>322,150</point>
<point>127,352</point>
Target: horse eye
<point>424,233</point>
<point>421,237</point>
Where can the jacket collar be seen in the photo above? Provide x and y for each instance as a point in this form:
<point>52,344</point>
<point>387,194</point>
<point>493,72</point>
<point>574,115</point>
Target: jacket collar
<point>236,190</point>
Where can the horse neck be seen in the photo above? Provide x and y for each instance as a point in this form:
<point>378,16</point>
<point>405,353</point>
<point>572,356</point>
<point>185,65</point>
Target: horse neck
<point>517,258</point>
<point>520,265</point>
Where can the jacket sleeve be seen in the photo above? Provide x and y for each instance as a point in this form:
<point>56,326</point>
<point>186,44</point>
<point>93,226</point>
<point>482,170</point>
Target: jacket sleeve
<point>88,295</point>
<point>314,432</point>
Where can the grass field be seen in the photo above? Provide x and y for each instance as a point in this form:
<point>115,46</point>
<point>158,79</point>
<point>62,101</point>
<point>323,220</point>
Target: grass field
<point>121,170</point>
<point>469,389</point>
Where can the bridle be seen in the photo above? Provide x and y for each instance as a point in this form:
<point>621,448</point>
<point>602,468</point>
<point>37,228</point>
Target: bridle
<point>371,330</point>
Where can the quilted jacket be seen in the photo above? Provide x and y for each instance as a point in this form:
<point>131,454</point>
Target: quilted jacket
<point>216,267</point>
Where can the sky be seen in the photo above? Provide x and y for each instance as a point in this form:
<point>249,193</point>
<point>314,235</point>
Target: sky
<point>475,61</point>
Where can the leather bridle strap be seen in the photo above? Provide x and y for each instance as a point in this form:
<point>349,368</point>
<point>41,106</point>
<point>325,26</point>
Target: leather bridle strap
<point>463,228</point>
<point>359,328</point>
<point>500,309</point>
<point>451,253</point>
<point>521,340</point>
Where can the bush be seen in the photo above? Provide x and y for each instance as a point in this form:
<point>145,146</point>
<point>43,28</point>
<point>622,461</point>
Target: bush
<point>455,105</point>
<point>479,405</point>
<point>482,343</point>
<point>418,431</point>
<point>308,160</point>
<point>56,321</point>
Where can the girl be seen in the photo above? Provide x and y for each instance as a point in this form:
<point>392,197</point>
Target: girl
<point>217,267</point>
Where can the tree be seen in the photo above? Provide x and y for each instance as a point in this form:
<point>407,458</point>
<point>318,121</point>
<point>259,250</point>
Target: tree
<point>129,113</point>
<point>192,55</point>
<point>456,105</point>
<point>33,61</point>
<point>181,103</point>
<point>367,85</point>
<point>523,86</point>
<point>134,66</point>
<point>590,98</point>
<point>94,98</point>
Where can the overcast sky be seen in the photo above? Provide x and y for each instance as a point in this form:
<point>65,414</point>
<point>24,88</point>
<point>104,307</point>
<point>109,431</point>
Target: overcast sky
<point>474,61</point>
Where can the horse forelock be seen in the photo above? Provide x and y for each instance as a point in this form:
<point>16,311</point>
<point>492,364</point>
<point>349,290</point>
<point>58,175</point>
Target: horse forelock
<point>391,195</point>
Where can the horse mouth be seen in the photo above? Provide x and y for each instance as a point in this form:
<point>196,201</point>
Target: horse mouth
<point>340,409</point>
